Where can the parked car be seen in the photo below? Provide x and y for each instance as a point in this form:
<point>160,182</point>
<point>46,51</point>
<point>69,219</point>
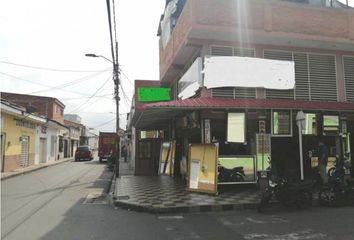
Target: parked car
<point>83,153</point>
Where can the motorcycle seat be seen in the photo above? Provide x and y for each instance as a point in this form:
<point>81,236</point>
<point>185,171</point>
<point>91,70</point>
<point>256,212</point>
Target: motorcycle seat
<point>238,169</point>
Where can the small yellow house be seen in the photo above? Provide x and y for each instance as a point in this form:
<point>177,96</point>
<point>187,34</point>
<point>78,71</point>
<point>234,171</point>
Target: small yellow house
<point>18,136</point>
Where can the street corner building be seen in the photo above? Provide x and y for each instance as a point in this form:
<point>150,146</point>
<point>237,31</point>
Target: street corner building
<point>260,79</point>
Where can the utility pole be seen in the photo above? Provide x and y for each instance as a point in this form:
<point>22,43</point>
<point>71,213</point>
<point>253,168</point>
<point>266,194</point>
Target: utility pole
<point>116,79</point>
<point>116,85</point>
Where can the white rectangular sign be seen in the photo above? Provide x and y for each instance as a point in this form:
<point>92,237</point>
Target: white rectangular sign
<point>236,127</point>
<point>232,71</point>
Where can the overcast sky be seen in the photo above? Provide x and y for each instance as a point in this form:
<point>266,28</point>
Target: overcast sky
<point>56,34</point>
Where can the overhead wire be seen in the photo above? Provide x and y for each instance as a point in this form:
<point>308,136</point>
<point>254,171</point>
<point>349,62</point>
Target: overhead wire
<point>40,84</point>
<point>131,83</point>
<point>105,123</point>
<point>98,96</point>
<point>76,81</point>
<point>50,69</point>
<point>92,94</point>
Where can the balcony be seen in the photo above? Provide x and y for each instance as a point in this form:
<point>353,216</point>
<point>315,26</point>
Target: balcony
<point>254,22</point>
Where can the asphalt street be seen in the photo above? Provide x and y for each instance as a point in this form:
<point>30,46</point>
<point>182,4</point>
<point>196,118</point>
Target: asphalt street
<point>66,202</point>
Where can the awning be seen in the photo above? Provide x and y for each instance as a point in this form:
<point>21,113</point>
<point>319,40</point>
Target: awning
<point>158,114</point>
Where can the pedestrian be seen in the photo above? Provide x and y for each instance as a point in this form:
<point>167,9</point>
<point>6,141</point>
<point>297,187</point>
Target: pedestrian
<point>124,153</point>
<point>322,160</point>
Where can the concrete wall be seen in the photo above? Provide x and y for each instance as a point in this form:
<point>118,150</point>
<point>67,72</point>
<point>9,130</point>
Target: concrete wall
<point>13,144</point>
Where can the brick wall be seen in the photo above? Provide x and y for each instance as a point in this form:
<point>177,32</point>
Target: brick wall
<point>12,162</point>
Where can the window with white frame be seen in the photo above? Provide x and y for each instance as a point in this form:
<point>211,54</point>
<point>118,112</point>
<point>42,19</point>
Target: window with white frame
<point>281,123</point>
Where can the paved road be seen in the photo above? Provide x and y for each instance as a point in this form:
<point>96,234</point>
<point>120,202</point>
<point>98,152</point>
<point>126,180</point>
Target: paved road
<point>35,203</point>
<point>52,204</point>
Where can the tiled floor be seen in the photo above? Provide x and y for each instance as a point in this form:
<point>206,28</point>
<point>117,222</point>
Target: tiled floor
<point>167,194</point>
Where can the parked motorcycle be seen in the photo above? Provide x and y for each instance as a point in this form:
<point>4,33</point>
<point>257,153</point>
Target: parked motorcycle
<point>337,191</point>
<point>289,193</point>
<point>235,174</point>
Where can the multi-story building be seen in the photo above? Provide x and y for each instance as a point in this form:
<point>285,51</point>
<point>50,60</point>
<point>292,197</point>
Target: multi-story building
<point>203,43</point>
<point>49,107</point>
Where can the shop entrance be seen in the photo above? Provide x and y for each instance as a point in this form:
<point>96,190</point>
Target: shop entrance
<point>147,158</point>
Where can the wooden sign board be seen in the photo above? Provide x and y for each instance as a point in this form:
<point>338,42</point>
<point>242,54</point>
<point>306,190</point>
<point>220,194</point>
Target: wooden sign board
<point>167,158</point>
<point>202,168</point>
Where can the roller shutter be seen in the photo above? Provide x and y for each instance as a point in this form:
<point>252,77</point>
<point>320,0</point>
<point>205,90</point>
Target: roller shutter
<point>348,62</point>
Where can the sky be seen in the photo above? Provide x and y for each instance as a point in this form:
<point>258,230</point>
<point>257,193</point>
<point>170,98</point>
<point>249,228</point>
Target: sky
<point>39,36</point>
<point>43,45</point>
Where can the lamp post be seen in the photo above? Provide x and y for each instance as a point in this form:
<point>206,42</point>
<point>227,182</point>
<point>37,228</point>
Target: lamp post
<point>301,123</point>
<point>116,85</point>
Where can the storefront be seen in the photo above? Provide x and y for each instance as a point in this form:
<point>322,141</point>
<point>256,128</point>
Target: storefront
<point>250,133</point>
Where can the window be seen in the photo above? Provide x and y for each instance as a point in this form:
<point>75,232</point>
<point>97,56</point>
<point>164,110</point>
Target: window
<point>281,123</point>
<point>311,124</point>
<point>330,125</point>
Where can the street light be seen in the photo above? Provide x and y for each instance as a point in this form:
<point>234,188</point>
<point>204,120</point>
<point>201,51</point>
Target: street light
<point>301,123</point>
<point>116,84</point>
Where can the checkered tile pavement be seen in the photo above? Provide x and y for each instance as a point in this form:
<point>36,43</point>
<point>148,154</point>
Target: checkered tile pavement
<point>167,194</point>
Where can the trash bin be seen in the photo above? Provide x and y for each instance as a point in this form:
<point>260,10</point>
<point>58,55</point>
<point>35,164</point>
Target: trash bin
<point>262,179</point>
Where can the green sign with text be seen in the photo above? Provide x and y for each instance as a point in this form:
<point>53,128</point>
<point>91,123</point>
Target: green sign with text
<point>154,94</point>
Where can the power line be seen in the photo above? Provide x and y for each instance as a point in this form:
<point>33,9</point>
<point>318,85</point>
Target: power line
<point>40,84</point>
<point>105,123</point>
<point>92,95</point>
<point>50,69</point>
<point>131,83</point>
<point>99,96</point>
<point>126,99</point>
<point>85,78</point>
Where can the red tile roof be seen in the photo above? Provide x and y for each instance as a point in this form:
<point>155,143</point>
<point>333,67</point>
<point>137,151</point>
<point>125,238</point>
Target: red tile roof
<point>219,103</point>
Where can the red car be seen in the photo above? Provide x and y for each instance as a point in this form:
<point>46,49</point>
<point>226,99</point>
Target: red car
<point>83,153</point>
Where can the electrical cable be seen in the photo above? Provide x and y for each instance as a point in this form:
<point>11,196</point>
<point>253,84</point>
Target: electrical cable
<point>49,69</point>
<point>110,29</point>
<point>126,77</point>
<point>40,84</point>
<point>99,96</point>
<point>92,94</point>
<point>125,97</point>
<point>85,78</point>
<point>105,123</point>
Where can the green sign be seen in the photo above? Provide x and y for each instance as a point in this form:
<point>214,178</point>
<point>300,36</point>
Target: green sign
<point>154,94</point>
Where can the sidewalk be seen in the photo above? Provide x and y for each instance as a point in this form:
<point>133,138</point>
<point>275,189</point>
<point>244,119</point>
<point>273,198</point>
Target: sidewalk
<point>20,171</point>
<point>164,194</point>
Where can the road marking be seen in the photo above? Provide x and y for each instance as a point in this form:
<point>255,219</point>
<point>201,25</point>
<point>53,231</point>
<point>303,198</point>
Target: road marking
<point>170,217</point>
<point>255,221</point>
<point>301,235</point>
<point>229,223</point>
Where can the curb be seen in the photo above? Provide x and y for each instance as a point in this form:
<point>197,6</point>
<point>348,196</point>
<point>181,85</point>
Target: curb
<point>185,209</point>
<point>110,195</point>
<point>199,209</point>
<point>14,174</point>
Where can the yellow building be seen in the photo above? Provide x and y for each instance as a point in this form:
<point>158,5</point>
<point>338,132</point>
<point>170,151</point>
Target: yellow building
<point>18,136</point>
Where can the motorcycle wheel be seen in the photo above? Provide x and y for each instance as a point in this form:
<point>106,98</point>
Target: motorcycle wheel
<point>236,177</point>
<point>330,171</point>
<point>327,197</point>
